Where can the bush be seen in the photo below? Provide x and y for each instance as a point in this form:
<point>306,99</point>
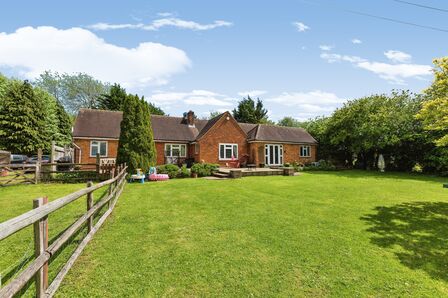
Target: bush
<point>204,169</point>
<point>321,165</point>
<point>417,168</point>
<point>170,169</point>
<point>184,172</point>
<point>297,166</point>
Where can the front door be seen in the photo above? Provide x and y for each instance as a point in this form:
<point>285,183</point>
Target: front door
<point>273,154</point>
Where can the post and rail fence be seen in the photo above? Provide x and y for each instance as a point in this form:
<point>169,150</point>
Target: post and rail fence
<point>45,252</point>
<point>13,174</point>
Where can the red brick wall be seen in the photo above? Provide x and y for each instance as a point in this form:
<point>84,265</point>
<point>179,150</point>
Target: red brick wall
<point>291,153</point>
<point>224,131</point>
<point>84,144</point>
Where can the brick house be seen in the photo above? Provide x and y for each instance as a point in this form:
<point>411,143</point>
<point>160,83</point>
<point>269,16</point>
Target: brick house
<point>180,139</point>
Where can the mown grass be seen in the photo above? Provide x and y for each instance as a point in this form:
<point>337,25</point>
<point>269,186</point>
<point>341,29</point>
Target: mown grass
<point>17,250</point>
<point>340,234</point>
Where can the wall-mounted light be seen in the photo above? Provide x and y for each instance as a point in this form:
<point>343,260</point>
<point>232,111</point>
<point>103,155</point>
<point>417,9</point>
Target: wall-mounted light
<point>228,118</point>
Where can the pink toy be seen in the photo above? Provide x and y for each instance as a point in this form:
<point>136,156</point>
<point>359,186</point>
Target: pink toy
<point>153,176</point>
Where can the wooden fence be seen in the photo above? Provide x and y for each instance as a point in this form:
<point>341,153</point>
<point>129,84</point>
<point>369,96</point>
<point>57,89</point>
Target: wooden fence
<point>44,253</point>
<point>18,174</point>
<point>13,174</point>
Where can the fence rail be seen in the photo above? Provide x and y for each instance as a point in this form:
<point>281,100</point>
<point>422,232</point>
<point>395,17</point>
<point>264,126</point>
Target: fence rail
<point>38,217</point>
<point>13,174</point>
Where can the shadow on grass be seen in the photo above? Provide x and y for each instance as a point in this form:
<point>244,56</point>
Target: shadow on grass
<point>416,232</point>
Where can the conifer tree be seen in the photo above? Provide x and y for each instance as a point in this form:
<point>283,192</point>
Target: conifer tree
<point>136,144</point>
<point>22,119</point>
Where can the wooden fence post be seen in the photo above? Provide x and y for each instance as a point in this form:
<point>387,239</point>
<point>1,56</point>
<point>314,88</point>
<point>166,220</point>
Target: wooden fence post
<point>98,160</point>
<point>89,206</point>
<point>40,245</point>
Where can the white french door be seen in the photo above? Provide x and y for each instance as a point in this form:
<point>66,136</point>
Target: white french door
<point>273,154</point>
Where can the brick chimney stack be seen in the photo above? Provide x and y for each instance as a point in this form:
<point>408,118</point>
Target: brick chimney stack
<point>190,118</point>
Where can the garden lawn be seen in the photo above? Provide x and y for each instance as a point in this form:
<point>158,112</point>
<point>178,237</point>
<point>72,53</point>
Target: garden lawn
<point>337,234</point>
<point>17,250</point>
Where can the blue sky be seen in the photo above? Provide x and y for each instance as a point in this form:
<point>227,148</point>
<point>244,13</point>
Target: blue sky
<point>303,58</point>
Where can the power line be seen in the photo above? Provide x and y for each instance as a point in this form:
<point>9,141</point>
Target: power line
<point>421,5</point>
<point>378,17</point>
<point>397,21</point>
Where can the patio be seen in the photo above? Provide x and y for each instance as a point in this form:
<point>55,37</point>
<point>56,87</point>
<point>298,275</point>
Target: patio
<point>246,172</point>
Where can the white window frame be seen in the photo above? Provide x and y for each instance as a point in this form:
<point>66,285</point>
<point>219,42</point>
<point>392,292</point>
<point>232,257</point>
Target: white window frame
<point>267,152</point>
<point>226,146</point>
<point>177,146</point>
<point>308,149</point>
<point>99,147</point>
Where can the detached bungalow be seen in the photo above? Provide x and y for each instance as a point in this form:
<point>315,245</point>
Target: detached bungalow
<point>181,139</point>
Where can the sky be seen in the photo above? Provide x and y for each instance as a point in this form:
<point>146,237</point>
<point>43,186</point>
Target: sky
<point>303,58</point>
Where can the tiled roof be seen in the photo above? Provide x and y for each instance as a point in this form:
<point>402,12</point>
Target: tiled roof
<point>98,124</point>
<point>106,124</point>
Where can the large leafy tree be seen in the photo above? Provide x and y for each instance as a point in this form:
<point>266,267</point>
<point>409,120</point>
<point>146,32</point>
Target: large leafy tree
<point>136,144</point>
<point>73,91</point>
<point>249,111</point>
<point>365,127</point>
<point>289,122</point>
<point>434,112</point>
<point>22,119</point>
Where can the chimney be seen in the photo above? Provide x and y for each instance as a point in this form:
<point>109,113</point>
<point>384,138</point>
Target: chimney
<point>190,118</point>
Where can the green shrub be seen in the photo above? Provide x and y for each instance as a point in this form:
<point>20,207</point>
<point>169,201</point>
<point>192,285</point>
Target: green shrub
<point>184,172</point>
<point>417,168</point>
<point>204,169</point>
<point>321,165</point>
<point>297,166</point>
<point>170,169</point>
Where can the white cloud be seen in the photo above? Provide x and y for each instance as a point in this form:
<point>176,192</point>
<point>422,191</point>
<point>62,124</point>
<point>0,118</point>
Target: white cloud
<point>252,93</point>
<point>34,50</point>
<point>160,23</point>
<point>398,56</point>
<point>326,47</point>
<point>308,104</point>
<point>356,41</point>
<point>195,97</point>
<point>394,73</point>
<point>301,27</point>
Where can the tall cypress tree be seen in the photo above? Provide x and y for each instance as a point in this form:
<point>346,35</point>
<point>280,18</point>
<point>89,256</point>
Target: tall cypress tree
<point>22,119</point>
<point>136,144</point>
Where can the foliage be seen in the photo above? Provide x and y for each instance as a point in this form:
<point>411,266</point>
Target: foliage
<point>184,172</point>
<point>113,100</point>
<point>321,165</point>
<point>363,128</point>
<point>212,115</point>
<point>155,110</point>
<point>22,120</point>
<point>136,144</point>
<point>64,125</point>
<point>73,91</point>
<point>434,112</point>
<point>250,112</point>
<point>289,122</point>
<point>170,169</point>
<point>417,168</point>
<point>204,169</point>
